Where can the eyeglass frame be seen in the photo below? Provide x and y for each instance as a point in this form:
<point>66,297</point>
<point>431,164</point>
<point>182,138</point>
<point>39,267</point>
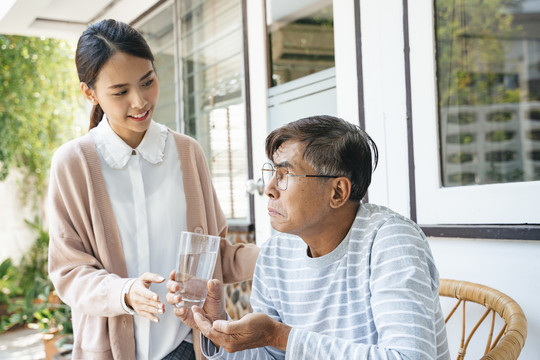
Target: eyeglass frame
<point>287,174</point>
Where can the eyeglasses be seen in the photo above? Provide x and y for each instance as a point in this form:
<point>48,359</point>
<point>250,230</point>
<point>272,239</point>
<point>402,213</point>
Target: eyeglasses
<point>282,175</point>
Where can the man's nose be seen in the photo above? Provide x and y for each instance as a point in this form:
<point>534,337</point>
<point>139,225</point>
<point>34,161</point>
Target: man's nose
<point>270,188</point>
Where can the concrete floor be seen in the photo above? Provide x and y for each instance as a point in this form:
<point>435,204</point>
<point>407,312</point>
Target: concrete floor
<point>21,344</point>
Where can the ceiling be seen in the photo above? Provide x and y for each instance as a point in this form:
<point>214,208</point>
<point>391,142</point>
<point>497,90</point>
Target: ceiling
<point>65,19</point>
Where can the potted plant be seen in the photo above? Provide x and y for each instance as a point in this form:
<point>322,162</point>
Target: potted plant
<point>53,318</point>
<point>30,296</point>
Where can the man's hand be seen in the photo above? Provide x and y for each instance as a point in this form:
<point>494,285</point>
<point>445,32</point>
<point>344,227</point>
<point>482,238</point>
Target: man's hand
<point>144,301</point>
<point>252,331</point>
<point>214,304</point>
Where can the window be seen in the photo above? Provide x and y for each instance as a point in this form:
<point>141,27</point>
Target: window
<point>475,126</point>
<point>211,51</point>
<point>301,38</point>
<point>159,33</point>
<point>488,80</point>
<point>301,56</point>
<point>211,108</point>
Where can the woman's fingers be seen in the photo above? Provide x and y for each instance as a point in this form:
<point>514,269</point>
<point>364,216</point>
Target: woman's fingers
<point>149,278</point>
<point>144,301</point>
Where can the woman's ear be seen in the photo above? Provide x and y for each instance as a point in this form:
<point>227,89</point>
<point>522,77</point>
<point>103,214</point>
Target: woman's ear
<point>88,93</point>
<point>341,191</point>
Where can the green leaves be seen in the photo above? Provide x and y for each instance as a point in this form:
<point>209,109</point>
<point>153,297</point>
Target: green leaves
<point>472,41</point>
<point>39,99</point>
<point>28,292</point>
<point>39,96</point>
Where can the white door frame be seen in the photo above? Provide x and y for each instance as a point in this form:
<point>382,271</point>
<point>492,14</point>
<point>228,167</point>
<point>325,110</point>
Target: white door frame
<point>346,84</point>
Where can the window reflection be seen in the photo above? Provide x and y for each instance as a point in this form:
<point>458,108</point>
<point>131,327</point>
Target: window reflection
<point>214,112</point>
<point>301,39</point>
<point>211,65</point>
<point>488,77</point>
<point>159,33</point>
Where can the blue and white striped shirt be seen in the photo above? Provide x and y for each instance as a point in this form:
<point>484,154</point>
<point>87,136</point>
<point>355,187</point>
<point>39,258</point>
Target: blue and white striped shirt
<point>375,296</point>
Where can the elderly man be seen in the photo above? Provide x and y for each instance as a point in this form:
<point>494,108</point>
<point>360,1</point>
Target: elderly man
<point>341,279</point>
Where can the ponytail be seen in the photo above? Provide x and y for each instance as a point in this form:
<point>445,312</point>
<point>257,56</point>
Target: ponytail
<point>95,116</point>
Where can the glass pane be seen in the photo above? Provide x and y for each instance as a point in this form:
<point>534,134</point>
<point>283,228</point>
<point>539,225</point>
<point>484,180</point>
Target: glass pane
<point>214,112</point>
<point>488,77</point>
<point>229,162</point>
<point>159,33</point>
<point>301,40</point>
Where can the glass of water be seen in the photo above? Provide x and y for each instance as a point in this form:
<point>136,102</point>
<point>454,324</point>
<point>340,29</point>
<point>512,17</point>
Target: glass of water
<point>196,259</point>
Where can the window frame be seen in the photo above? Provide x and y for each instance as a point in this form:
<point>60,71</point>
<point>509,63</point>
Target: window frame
<point>240,224</point>
<point>462,211</point>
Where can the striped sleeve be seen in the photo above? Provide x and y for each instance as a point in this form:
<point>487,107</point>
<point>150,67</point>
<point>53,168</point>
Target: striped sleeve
<point>404,287</point>
<point>208,348</point>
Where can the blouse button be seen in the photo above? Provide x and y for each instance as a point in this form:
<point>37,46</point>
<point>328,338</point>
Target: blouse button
<point>198,230</point>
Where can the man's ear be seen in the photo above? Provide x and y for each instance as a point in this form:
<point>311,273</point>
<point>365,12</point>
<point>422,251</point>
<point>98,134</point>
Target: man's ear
<point>341,191</point>
<point>88,93</point>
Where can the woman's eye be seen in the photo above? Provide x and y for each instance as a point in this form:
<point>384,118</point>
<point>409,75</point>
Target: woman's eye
<point>120,93</point>
<point>148,83</point>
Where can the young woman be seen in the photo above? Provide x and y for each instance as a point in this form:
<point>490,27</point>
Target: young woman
<point>119,198</point>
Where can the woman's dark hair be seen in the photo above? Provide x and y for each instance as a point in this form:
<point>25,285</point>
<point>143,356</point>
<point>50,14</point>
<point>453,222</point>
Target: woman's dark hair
<point>97,44</point>
<point>333,146</point>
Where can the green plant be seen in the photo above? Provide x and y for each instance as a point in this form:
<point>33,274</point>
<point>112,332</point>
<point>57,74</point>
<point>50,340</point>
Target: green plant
<point>9,278</point>
<point>29,293</point>
<point>51,314</point>
<point>39,98</point>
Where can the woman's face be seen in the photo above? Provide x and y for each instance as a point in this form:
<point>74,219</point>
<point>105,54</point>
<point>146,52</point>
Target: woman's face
<point>127,89</point>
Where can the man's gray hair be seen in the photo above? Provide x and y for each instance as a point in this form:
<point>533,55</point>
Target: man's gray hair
<point>333,146</point>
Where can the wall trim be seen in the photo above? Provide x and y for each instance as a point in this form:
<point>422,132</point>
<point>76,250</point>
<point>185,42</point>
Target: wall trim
<point>408,102</point>
<point>360,74</point>
<point>500,232</point>
<point>359,71</point>
<point>247,103</point>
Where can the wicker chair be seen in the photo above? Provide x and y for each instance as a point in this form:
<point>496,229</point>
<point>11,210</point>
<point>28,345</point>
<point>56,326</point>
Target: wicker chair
<point>511,338</point>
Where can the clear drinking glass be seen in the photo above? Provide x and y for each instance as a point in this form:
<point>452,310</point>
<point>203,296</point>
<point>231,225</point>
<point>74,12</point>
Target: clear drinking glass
<point>196,259</point>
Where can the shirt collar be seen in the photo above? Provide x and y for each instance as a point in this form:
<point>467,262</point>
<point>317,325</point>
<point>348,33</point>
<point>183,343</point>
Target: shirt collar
<point>116,152</point>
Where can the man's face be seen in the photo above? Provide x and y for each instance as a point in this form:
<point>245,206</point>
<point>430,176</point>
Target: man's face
<point>303,207</point>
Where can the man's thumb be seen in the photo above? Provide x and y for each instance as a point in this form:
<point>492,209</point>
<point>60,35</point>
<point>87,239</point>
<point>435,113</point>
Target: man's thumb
<point>214,288</point>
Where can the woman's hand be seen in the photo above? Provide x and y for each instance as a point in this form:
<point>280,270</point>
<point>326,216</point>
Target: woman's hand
<point>144,301</point>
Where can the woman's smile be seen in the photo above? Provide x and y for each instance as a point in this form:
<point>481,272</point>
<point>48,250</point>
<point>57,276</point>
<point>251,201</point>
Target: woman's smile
<point>140,117</point>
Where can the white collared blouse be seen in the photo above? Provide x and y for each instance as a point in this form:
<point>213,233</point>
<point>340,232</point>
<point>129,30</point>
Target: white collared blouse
<point>147,195</point>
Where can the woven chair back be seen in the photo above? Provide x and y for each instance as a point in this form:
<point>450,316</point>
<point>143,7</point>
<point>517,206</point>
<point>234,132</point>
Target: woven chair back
<point>506,344</point>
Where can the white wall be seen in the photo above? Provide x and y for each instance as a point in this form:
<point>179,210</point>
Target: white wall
<point>510,266</point>
<point>15,236</point>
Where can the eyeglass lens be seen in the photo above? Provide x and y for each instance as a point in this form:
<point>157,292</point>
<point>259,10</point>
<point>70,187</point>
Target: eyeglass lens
<point>267,173</point>
<point>281,175</point>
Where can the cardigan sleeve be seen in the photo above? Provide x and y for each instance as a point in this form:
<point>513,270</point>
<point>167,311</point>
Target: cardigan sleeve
<point>76,254</point>
<point>237,260</point>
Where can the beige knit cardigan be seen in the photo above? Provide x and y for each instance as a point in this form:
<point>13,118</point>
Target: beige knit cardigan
<point>86,260</point>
